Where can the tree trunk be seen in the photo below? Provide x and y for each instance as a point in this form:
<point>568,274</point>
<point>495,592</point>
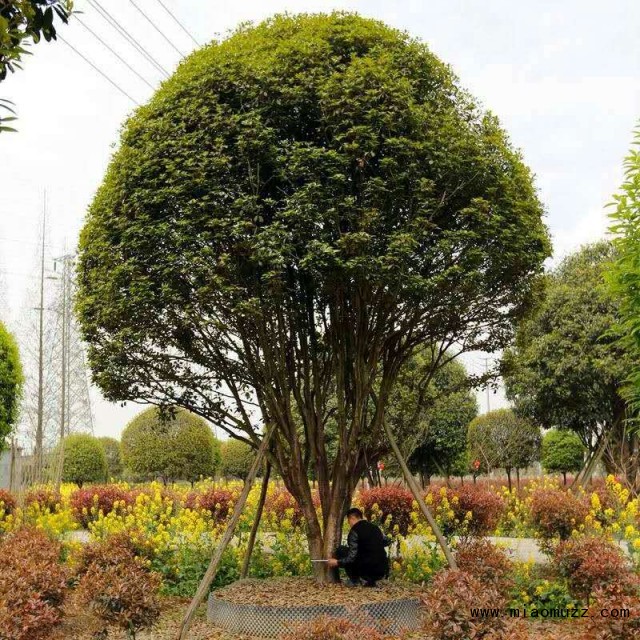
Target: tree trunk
<point>518,479</point>
<point>564,475</point>
<point>256,522</point>
<point>210,574</point>
<point>509,478</point>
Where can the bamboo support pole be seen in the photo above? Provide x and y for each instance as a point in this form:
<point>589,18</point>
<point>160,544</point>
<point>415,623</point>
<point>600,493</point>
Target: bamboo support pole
<point>256,522</point>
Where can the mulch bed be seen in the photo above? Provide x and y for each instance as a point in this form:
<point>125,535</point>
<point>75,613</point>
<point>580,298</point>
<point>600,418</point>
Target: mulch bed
<point>292,592</point>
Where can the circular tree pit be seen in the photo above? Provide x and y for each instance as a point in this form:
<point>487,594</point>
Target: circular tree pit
<point>268,608</point>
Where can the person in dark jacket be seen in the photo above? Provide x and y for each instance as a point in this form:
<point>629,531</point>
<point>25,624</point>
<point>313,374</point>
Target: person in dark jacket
<point>364,557</point>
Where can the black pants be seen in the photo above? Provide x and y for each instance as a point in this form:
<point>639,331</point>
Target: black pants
<point>357,572</point>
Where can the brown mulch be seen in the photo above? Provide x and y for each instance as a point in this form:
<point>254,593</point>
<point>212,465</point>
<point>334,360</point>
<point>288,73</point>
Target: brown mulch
<point>80,624</point>
<point>292,592</point>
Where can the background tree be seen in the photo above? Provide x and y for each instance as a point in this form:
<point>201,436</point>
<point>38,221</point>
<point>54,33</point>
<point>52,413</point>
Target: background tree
<point>624,273</point>
<point>175,445</point>
<point>23,22</point>
<point>502,440</point>
<point>446,411</point>
<point>567,367</point>
<point>10,383</point>
<point>300,261</point>
<point>562,452</point>
<point>84,459</point>
<point>112,452</point>
<point>236,458</point>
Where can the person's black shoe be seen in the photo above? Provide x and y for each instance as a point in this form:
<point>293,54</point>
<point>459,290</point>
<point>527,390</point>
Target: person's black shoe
<point>352,583</point>
<point>371,584</point>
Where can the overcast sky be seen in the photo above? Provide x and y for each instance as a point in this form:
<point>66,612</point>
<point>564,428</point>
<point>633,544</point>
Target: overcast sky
<point>563,77</point>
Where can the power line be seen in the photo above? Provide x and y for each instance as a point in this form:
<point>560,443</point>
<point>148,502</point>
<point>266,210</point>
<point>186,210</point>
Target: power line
<point>115,53</point>
<point>102,73</point>
<point>153,24</point>
<point>127,36</point>
<point>164,6</point>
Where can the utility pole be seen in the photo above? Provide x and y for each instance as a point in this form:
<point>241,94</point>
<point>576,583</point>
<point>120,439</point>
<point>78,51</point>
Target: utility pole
<point>486,370</point>
<point>65,343</point>
<point>40,415</point>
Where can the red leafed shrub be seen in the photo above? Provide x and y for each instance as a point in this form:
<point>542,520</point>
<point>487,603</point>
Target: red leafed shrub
<point>280,501</point>
<point>7,502</point>
<point>394,502</point>
<point>332,629</point>
<point>118,586</point>
<point>216,500</point>
<point>87,503</point>
<point>556,513</point>
<point>32,585</point>
<point>486,562</point>
<point>485,505</point>
<point>622,619</point>
<point>448,603</point>
<point>590,563</point>
<point>47,498</point>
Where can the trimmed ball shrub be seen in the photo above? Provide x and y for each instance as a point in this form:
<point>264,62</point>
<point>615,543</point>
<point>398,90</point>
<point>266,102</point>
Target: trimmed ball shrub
<point>485,505</point>
<point>556,513</point>
<point>88,503</point>
<point>7,503</point>
<point>590,563</point>
<point>118,586</point>
<point>447,607</point>
<point>236,458</point>
<point>176,445</point>
<point>33,585</point>
<point>394,506</point>
<point>216,500</point>
<point>562,452</point>
<point>84,459</point>
<point>486,562</point>
<point>47,498</point>
<point>613,599</point>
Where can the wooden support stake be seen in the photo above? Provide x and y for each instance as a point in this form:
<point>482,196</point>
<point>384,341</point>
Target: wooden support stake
<point>413,485</point>
<point>210,574</point>
<point>256,522</point>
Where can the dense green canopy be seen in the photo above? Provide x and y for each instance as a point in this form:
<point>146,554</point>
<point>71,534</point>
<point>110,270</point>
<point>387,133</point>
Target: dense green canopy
<point>84,459</point>
<point>294,213</point>
<point>562,452</point>
<point>10,383</point>
<point>174,446</point>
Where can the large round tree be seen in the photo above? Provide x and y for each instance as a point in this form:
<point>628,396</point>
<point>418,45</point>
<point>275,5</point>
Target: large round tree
<point>294,213</point>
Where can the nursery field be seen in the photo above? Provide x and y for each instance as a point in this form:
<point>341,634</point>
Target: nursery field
<point>128,557</point>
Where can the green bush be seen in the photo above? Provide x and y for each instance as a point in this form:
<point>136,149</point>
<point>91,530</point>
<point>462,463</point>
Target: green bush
<point>10,382</point>
<point>114,457</point>
<point>175,445</point>
<point>237,458</point>
<point>84,459</point>
<point>562,452</point>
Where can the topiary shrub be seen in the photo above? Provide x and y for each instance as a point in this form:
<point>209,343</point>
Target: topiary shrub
<point>236,458</point>
<point>485,505</point>
<point>118,586</point>
<point>175,445</point>
<point>562,452</point>
<point>47,498</point>
<point>33,585</point>
<point>332,629</point>
<point>486,562</point>
<point>216,500</point>
<point>448,603</point>
<point>87,504</point>
<point>614,599</point>
<point>280,505</point>
<point>84,459</point>
<point>394,506</point>
<point>589,563</point>
<point>556,513</point>
<point>7,503</point>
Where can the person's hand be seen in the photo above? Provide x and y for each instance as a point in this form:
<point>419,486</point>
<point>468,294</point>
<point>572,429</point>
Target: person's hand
<point>332,563</point>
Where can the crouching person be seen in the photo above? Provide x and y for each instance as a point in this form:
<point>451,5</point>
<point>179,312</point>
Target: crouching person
<point>364,558</point>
